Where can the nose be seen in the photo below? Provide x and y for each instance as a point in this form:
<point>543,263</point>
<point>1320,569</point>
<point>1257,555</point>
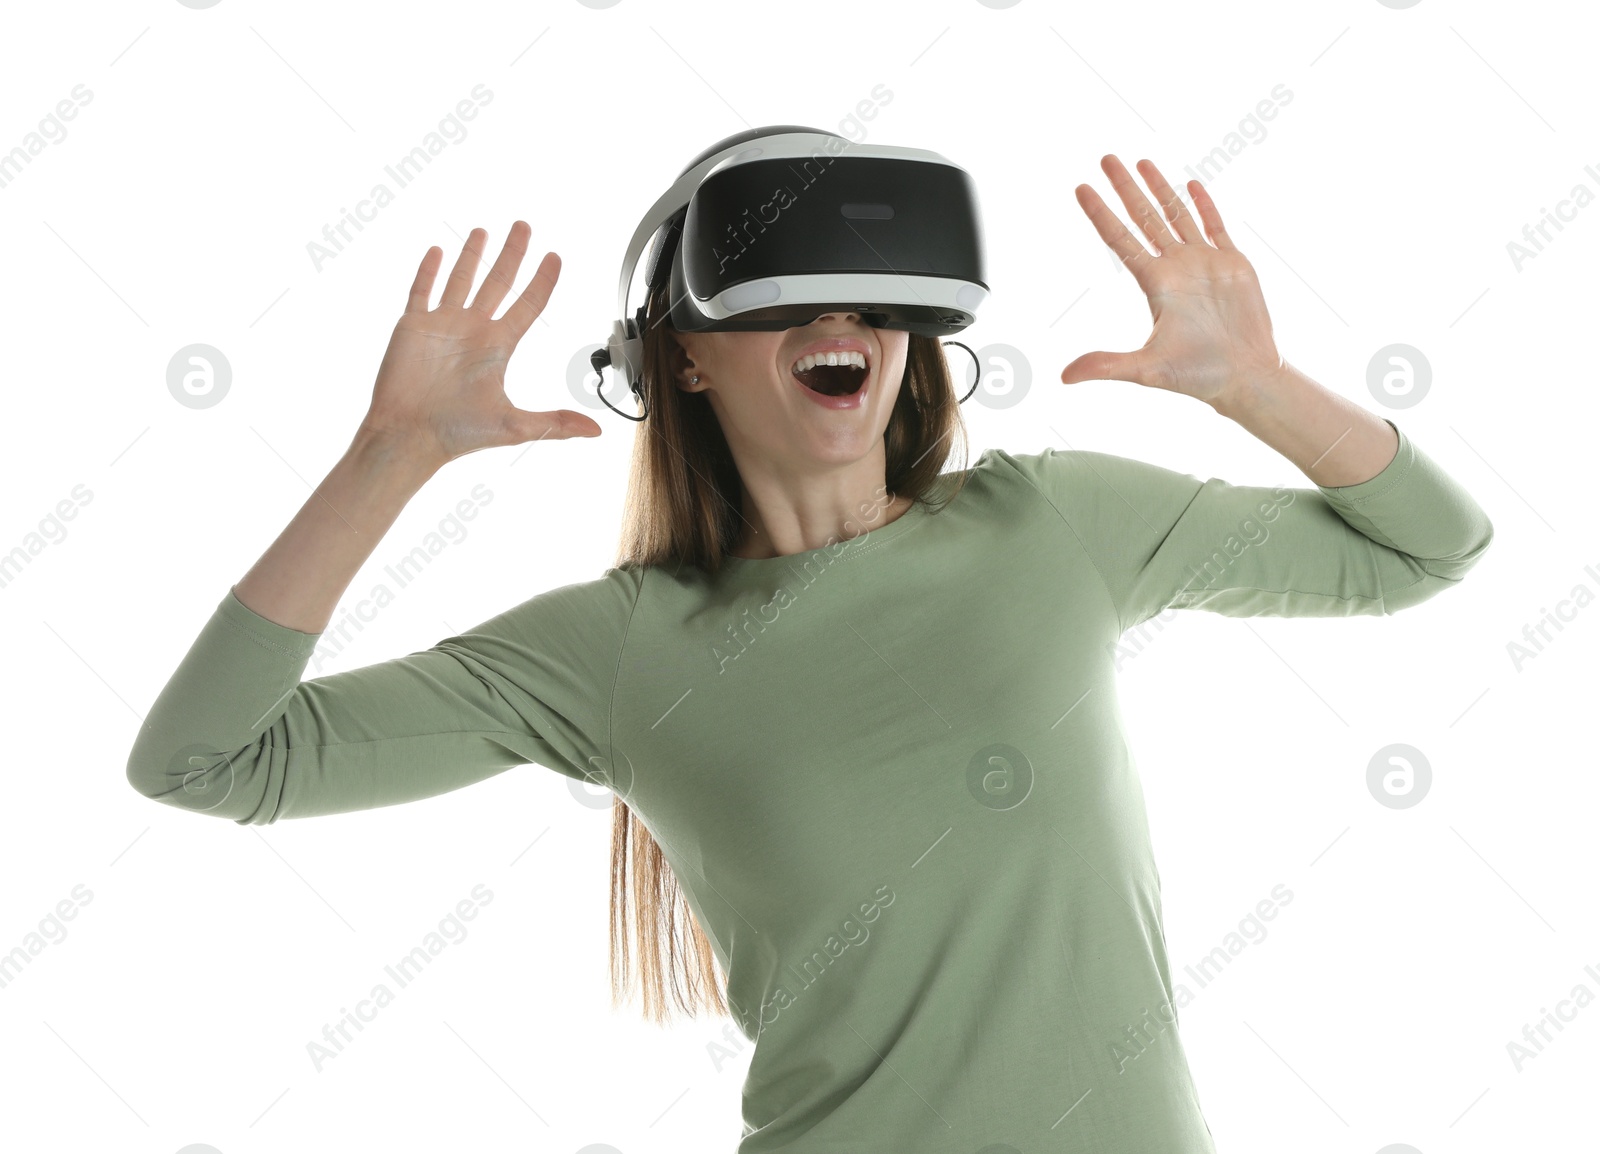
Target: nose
<point>854,316</point>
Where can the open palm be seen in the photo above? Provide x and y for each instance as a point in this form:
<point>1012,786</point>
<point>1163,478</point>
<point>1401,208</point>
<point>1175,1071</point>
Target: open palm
<point>1211,332</point>
<point>441,384</point>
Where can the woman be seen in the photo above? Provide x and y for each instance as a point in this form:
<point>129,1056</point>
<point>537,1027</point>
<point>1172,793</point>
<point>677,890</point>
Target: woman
<point>864,710</point>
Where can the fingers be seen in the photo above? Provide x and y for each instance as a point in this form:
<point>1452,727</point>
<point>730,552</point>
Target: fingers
<point>527,307</point>
<point>1150,222</point>
<point>1210,216</point>
<point>504,273</point>
<point>1171,204</point>
<point>422,286</point>
<point>466,266</point>
<point>1118,239</point>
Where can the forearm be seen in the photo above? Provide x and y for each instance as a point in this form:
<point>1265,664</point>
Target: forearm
<point>1332,440</point>
<point>299,579</point>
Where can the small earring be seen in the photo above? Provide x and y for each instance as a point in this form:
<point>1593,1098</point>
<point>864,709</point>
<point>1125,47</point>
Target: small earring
<point>695,380</point>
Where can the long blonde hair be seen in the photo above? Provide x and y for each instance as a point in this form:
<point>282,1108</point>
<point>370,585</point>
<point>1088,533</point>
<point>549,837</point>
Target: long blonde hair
<point>684,507</point>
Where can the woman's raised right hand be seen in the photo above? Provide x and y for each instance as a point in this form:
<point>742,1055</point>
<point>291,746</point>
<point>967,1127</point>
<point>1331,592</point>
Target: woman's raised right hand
<point>440,390</point>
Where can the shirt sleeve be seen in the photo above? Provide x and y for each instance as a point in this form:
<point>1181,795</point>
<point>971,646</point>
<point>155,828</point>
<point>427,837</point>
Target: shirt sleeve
<point>236,733</point>
<point>1163,539</point>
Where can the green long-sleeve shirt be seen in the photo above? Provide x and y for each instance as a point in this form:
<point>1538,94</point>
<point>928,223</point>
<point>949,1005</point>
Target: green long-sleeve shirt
<point>890,775</point>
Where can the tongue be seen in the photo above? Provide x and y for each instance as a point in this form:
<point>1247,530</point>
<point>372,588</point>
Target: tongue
<point>832,380</point>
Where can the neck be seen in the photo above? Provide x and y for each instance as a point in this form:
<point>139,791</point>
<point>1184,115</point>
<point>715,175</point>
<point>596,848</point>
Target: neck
<point>801,527</point>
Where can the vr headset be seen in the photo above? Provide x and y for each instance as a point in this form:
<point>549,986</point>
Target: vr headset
<point>770,228</point>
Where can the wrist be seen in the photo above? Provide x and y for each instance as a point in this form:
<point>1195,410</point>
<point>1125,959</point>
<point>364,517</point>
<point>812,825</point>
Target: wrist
<point>381,453</point>
<point>1252,393</point>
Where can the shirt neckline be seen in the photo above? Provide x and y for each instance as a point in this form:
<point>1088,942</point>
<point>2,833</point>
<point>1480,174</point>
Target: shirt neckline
<point>861,542</point>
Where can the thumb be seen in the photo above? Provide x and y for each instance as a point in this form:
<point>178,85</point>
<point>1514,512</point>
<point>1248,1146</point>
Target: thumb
<point>557,425</point>
<point>1103,366</point>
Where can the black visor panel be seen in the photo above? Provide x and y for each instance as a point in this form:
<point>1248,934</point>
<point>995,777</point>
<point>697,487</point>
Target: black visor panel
<point>831,214</point>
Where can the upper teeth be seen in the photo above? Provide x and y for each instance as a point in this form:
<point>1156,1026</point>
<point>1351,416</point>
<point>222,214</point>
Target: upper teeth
<point>849,357</point>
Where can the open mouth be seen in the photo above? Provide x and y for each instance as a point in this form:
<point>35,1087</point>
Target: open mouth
<point>832,374</point>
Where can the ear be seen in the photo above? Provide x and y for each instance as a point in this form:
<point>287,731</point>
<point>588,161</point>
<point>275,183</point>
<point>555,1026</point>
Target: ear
<point>683,367</point>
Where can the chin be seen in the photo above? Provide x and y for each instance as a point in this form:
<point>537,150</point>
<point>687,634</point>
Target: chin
<point>844,446</point>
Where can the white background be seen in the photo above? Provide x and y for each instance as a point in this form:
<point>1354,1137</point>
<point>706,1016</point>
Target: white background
<point>1377,209</point>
